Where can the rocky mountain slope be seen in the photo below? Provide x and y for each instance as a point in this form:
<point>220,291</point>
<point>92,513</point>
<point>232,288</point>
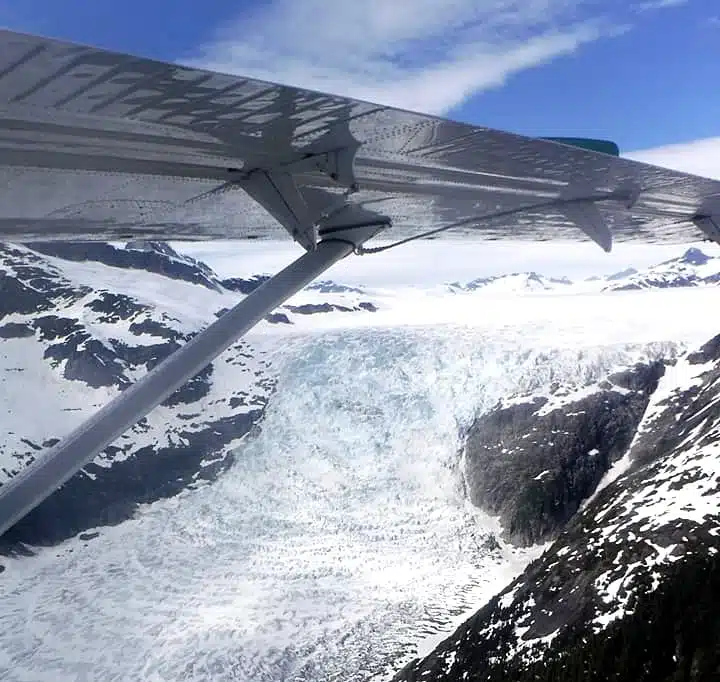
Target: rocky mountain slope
<point>533,460</point>
<point>628,589</point>
<point>81,321</point>
<point>694,268</point>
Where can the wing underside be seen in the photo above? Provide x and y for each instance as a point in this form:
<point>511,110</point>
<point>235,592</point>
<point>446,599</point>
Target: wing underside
<point>103,146</point>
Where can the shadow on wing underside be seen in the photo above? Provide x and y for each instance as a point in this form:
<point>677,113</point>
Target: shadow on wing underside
<point>71,107</point>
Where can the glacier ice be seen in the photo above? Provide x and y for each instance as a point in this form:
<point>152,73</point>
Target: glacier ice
<point>339,544</point>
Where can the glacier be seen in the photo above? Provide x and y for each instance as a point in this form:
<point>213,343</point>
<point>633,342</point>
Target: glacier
<point>341,541</point>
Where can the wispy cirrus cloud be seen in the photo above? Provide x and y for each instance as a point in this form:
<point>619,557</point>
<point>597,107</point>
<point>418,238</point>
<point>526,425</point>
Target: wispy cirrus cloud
<point>659,4</point>
<point>422,55</point>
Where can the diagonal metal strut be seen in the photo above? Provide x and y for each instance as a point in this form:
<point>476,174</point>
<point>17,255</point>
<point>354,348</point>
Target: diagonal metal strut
<point>41,478</point>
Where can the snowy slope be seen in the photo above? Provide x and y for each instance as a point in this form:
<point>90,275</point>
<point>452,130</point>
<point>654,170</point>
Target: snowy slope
<point>518,282</point>
<point>693,268</point>
<point>75,333</point>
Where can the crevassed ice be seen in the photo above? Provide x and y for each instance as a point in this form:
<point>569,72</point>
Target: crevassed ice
<point>339,544</point>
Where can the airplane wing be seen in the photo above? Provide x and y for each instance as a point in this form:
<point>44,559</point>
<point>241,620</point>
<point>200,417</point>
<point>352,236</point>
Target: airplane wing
<point>96,145</point>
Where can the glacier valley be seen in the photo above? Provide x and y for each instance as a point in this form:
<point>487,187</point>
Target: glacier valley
<point>340,542</point>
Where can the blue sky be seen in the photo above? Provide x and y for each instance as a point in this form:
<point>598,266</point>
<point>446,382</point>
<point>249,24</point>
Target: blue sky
<point>641,73</point>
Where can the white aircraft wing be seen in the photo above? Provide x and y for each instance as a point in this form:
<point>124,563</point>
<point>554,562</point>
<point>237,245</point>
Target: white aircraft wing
<point>104,146</point>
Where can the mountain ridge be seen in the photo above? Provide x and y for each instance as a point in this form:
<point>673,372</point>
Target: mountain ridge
<point>609,578</point>
<point>692,268</point>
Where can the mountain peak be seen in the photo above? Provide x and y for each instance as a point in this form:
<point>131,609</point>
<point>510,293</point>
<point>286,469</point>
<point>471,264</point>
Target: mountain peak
<point>628,272</point>
<point>695,256</point>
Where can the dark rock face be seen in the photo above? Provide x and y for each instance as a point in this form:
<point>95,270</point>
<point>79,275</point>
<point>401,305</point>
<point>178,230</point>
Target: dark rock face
<point>244,286</point>
<point>708,352</point>
<point>15,330</point>
<point>533,464</point>
<point>101,496</point>
<point>690,414</point>
<point>630,589</point>
<point>694,256</point>
<point>329,287</point>
<point>314,308</point>
<point>155,459</point>
<point>28,284</point>
<point>671,634</point>
<point>277,318</point>
<point>660,283</point>
<point>115,307</point>
<point>157,257</point>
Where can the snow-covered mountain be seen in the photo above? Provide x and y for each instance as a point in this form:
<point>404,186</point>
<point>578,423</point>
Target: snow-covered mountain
<point>76,332</point>
<point>78,323</point>
<point>693,268</point>
<point>337,493</point>
<point>517,282</point>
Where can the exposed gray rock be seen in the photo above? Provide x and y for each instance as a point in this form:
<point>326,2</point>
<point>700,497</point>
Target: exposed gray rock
<point>99,496</point>
<point>314,308</point>
<point>28,284</point>
<point>630,588</point>
<point>244,286</point>
<point>533,464</point>
<point>327,286</point>
<point>157,257</point>
<point>16,330</point>
<point>193,444</point>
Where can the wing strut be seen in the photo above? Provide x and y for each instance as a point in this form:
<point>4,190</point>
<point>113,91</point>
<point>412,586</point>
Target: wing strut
<point>41,478</point>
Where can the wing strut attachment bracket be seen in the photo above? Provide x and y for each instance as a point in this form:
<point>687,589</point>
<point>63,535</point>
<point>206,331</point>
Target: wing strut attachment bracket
<point>709,225</point>
<point>347,229</point>
<point>276,190</point>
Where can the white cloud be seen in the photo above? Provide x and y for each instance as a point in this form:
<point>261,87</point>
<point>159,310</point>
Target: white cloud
<point>699,157</point>
<point>422,55</point>
<point>430,56</point>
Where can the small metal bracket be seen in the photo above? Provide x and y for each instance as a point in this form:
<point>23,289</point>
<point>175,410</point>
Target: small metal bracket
<point>354,224</point>
<point>276,190</point>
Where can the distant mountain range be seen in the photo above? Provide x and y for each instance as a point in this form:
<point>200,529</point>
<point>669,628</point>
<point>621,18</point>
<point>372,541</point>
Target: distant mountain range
<point>694,268</point>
